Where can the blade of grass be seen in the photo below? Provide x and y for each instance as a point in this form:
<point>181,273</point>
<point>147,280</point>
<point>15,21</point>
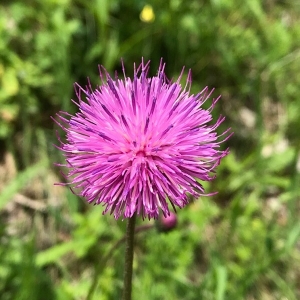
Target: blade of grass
<point>221,273</point>
<point>21,180</point>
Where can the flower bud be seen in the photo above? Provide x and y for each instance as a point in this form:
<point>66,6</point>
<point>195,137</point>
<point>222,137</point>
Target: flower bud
<point>168,223</point>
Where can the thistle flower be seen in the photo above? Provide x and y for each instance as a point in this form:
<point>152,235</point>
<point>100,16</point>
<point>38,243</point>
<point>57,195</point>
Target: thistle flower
<point>140,145</point>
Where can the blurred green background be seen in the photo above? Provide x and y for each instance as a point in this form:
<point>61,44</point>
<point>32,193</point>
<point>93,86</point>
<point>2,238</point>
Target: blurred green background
<point>240,244</point>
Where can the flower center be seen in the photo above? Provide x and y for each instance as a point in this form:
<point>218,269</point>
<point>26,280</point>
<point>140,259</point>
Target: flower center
<point>141,153</point>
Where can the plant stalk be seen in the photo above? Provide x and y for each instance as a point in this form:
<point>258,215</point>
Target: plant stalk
<point>128,258</point>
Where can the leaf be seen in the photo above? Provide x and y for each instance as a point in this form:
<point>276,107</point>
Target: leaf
<point>52,254</point>
<point>10,83</point>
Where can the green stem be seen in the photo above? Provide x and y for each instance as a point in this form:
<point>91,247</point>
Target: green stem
<point>128,258</point>
<point>99,267</point>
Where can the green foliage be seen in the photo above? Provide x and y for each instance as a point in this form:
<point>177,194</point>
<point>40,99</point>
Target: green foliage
<point>20,181</point>
<point>240,244</point>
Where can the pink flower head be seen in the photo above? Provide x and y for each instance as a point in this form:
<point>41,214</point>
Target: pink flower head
<point>140,145</point>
